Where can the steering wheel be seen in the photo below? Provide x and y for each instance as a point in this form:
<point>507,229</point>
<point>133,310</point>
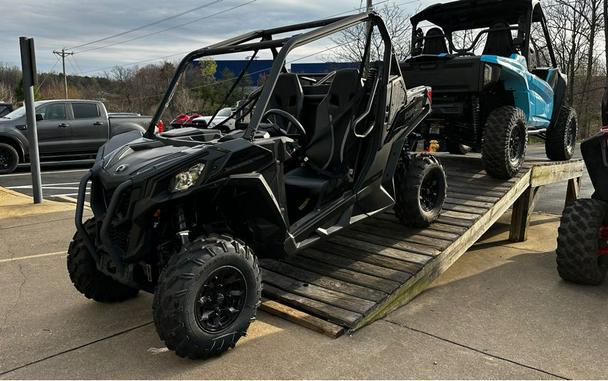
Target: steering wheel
<point>293,122</point>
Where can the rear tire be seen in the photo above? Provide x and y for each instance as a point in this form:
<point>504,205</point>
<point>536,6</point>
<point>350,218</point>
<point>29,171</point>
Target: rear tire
<point>561,137</point>
<point>420,190</point>
<point>87,279</point>
<point>505,142</point>
<point>207,296</point>
<point>578,242</point>
<point>9,159</point>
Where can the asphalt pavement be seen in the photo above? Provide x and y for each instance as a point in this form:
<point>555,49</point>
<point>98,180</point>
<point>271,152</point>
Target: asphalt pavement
<point>60,180</point>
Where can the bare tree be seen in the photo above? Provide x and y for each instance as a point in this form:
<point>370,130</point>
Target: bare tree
<point>351,42</point>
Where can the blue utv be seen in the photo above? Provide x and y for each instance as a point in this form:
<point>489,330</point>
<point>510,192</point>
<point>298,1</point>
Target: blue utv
<point>489,100</point>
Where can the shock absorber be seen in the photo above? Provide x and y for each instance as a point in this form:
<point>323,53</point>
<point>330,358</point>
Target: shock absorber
<point>476,110</point>
<point>183,232</point>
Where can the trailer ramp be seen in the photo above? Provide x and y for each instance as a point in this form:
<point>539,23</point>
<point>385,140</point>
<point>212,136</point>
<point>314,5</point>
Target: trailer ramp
<point>378,265</point>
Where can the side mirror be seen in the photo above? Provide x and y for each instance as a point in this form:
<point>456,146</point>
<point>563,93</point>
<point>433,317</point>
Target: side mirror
<point>39,117</point>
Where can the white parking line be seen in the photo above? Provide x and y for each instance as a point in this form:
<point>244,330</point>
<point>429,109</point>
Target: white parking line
<point>43,187</point>
<point>45,173</point>
<point>33,257</point>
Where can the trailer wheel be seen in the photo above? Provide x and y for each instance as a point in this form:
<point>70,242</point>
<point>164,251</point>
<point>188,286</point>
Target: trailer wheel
<point>561,137</point>
<point>420,189</point>
<point>505,142</point>
<point>9,159</point>
<point>582,242</point>
<point>207,296</point>
<point>87,279</point>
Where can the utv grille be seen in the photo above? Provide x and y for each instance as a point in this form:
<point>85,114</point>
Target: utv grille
<point>120,237</point>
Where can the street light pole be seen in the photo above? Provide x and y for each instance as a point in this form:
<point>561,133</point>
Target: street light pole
<point>62,53</point>
<point>28,68</point>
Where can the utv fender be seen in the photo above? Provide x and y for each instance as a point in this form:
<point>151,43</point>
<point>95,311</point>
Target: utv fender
<point>531,94</point>
<point>253,212</point>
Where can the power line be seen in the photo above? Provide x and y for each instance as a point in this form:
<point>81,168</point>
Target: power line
<point>146,25</point>
<point>167,29</point>
<point>394,3</point>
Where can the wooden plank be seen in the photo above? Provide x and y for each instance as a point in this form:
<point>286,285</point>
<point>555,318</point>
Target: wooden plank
<point>466,202</point>
<point>331,313</point>
<point>522,212</point>
<point>403,234</point>
<point>573,191</point>
<point>472,197</point>
<point>474,191</point>
<point>382,250</point>
<point>387,242</point>
<point>433,231</point>
<point>334,298</point>
<point>420,281</point>
<point>464,208</point>
<point>371,281</point>
<point>302,318</point>
<point>553,173</point>
<point>322,280</point>
<point>477,184</point>
<point>374,259</point>
<point>326,255</point>
<point>454,172</point>
<point>455,221</point>
<point>461,215</point>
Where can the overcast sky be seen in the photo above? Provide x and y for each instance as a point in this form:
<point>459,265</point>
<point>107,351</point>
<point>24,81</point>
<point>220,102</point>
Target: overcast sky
<point>56,24</point>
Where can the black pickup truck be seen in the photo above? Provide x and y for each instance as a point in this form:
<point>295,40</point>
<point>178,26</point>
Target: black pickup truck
<point>66,129</point>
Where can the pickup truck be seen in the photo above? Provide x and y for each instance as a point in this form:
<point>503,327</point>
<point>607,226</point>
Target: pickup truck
<point>66,128</point>
<point>5,108</point>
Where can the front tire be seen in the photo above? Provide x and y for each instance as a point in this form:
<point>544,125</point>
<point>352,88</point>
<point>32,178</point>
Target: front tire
<point>505,142</point>
<point>420,190</point>
<point>87,279</point>
<point>578,242</point>
<point>207,296</point>
<point>9,159</point>
<point>561,137</point>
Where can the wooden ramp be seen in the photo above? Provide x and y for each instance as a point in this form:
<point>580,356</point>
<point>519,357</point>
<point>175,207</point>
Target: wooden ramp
<point>373,267</point>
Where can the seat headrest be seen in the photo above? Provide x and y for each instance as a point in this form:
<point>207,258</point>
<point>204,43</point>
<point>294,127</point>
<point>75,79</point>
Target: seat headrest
<point>344,87</point>
<point>434,42</point>
<point>499,41</point>
<point>288,94</point>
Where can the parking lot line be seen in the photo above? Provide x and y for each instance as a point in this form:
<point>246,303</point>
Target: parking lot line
<point>33,257</point>
<point>44,172</point>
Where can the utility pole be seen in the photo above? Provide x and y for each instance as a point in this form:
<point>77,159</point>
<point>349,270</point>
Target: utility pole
<point>63,53</point>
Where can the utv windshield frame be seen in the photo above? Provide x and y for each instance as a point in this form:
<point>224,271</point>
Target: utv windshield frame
<point>311,32</point>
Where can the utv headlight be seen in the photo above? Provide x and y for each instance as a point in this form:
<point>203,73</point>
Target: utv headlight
<point>186,179</point>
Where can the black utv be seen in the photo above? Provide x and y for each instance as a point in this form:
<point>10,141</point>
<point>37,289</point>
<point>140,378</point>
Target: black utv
<point>582,241</point>
<point>494,81</point>
<point>186,213</point>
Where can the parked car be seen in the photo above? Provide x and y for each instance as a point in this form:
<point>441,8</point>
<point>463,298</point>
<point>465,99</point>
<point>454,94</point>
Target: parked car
<point>5,108</point>
<point>491,100</point>
<point>222,117</point>
<point>66,128</point>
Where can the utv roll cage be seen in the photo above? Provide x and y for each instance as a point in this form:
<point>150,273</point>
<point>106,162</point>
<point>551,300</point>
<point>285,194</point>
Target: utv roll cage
<point>280,48</point>
<point>456,16</point>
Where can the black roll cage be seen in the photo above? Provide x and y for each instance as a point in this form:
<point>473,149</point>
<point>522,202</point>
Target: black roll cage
<point>523,27</point>
<point>320,29</point>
